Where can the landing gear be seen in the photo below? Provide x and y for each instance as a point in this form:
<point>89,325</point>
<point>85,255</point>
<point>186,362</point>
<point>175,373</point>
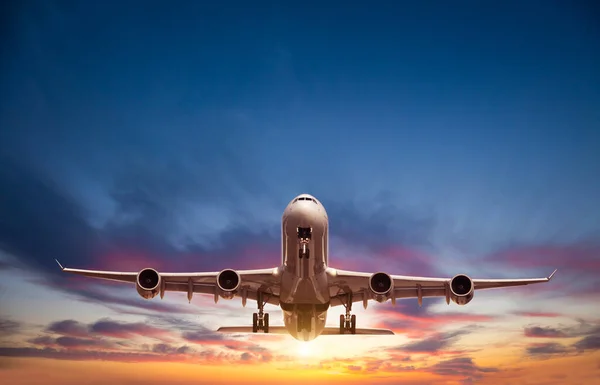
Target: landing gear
<point>304,252</point>
<point>260,320</point>
<point>348,321</point>
<point>304,236</point>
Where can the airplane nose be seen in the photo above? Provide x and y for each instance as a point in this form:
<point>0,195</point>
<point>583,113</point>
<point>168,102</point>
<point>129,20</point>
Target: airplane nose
<point>304,212</point>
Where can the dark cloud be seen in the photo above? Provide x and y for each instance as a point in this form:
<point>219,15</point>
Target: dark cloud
<point>163,348</point>
<point>43,341</point>
<point>546,349</point>
<point>589,338</point>
<point>71,342</point>
<point>69,327</point>
<point>432,344</point>
<point>460,367</point>
<point>75,333</point>
<point>109,328</point>
<point>9,327</point>
<point>591,342</point>
<point>202,335</point>
<point>544,332</point>
<point>74,342</point>
<point>83,355</point>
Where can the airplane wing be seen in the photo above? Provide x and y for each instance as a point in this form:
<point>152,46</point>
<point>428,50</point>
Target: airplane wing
<point>343,282</point>
<point>328,331</point>
<point>265,281</point>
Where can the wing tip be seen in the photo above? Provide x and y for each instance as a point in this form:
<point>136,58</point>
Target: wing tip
<point>59,265</point>
<point>552,275</point>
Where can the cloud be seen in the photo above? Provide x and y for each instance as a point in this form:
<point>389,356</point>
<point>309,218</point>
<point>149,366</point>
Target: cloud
<point>203,336</point>
<point>577,263</point>
<point>109,328</point>
<point>111,340</point>
<point>544,332</point>
<point>591,342</point>
<point>537,314</point>
<point>546,349</point>
<point>462,367</point>
<point>59,226</point>
<point>68,327</point>
<point>72,342</point>
<point>87,354</point>
<point>415,322</point>
<point>4,265</point>
<point>9,327</point>
<point>588,334</point>
<point>434,344</point>
<point>163,348</point>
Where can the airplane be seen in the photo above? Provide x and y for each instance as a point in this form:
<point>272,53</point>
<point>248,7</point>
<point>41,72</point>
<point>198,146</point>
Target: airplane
<point>304,286</point>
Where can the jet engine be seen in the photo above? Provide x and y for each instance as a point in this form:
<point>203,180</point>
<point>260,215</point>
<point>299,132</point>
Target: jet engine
<point>148,283</point>
<point>228,281</point>
<point>461,289</point>
<point>381,285</point>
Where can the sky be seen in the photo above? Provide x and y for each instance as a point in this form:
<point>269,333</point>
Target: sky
<point>441,138</point>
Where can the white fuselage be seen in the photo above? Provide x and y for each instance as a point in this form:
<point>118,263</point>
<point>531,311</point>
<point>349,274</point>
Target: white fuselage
<point>304,294</point>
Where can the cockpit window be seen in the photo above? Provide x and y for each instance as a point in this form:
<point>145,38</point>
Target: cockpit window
<point>306,199</point>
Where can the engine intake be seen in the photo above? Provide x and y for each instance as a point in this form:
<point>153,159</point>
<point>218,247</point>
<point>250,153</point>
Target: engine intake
<point>462,289</point>
<point>148,283</point>
<point>381,285</point>
<point>228,281</point>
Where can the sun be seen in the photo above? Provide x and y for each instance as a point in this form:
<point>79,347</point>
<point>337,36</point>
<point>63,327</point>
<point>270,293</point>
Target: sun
<point>304,349</point>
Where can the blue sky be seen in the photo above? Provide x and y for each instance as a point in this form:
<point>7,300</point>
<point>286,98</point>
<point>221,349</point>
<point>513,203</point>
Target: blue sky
<point>148,132</point>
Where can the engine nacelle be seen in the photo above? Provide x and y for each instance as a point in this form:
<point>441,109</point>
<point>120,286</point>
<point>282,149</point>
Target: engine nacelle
<point>462,289</point>
<point>228,282</point>
<point>382,286</point>
<point>148,283</point>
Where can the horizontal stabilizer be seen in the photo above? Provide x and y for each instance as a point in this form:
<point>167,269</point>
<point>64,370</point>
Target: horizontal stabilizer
<point>248,329</point>
<point>283,330</point>
<point>373,332</point>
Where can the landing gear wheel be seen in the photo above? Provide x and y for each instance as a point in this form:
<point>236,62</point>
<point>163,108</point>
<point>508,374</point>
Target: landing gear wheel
<point>348,321</point>
<point>260,320</point>
<point>266,323</point>
<point>254,323</point>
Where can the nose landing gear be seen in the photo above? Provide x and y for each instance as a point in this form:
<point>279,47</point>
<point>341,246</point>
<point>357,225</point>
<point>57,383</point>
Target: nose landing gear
<point>348,321</point>
<point>304,236</point>
<point>260,320</point>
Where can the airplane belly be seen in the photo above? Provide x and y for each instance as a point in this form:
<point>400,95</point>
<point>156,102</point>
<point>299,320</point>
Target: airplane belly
<point>312,324</point>
<point>296,290</point>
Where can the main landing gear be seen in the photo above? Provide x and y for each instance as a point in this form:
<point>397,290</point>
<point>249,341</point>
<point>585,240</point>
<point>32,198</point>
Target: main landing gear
<point>260,320</point>
<point>348,321</point>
